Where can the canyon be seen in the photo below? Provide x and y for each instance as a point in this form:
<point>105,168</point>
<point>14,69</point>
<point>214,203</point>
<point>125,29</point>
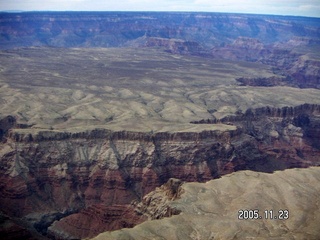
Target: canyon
<point>105,117</point>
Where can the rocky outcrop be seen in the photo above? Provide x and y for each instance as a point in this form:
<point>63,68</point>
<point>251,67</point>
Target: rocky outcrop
<point>155,205</point>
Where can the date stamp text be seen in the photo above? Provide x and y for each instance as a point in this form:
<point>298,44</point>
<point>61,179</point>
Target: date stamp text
<point>266,214</point>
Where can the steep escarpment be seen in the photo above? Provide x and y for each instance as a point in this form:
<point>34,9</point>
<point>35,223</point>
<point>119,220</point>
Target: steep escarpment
<point>288,133</point>
<point>265,112</point>
<point>285,112</point>
<point>85,183</point>
<point>98,177</point>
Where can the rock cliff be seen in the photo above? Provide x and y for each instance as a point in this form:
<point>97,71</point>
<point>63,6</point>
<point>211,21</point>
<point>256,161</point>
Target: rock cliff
<point>96,175</point>
<point>289,133</point>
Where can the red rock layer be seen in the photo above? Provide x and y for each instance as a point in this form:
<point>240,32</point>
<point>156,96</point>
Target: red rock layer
<point>95,219</point>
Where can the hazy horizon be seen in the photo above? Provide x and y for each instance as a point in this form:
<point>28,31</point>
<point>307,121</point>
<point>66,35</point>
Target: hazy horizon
<point>308,8</point>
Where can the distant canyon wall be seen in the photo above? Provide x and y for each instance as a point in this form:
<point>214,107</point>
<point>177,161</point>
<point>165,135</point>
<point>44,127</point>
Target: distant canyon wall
<point>116,29</point>
<point>266,39</point>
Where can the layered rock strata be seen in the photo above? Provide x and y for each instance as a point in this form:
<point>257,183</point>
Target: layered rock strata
<point>76,185</point>
<point>115,29</point>
<point>96,175</point>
